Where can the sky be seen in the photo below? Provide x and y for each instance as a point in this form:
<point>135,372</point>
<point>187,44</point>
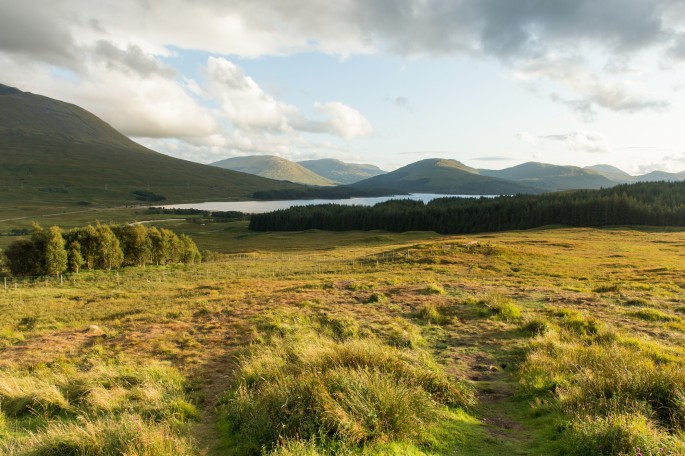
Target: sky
<point>491,83</point>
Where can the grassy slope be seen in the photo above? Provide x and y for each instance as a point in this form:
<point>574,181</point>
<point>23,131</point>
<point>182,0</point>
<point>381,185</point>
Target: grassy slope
<point>443,176</point>
<point>338,171</point>
<point>274,167</point>
<point>552,177</point>
<point>468,300</point>
<point>54,155</point>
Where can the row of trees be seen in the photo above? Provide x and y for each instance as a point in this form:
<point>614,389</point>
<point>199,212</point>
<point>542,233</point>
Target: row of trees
<point>52,251</point>
<point>654,203</point>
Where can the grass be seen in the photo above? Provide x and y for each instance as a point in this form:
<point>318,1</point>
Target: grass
<point>339,391</point>
<point>518,354</point>
<point>99,409</point>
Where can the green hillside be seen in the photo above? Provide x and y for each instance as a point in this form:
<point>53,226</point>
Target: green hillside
<point>274,167</point>
<point>59,156</point>
<point>436,175</point>
<point>656,176</point>
<point>552,177</point>
<point>341,172</point>
<point>612,173</point>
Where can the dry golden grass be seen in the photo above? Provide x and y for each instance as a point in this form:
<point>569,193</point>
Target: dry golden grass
<point>475,303</point>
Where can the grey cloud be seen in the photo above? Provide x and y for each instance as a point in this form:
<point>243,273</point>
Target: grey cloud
<point>131,59</point>
<point>581,141</point>
<point>677,50</point>
<point>35,33</point>
<point>401,102</point>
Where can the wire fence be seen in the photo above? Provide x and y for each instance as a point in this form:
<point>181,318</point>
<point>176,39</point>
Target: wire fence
<point>230,266</point>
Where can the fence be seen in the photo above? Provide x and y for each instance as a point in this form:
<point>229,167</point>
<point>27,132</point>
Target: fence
<point>230,266</point>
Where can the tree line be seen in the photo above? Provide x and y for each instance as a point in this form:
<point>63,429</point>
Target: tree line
<point>53,251</point>
<point>650,203</point>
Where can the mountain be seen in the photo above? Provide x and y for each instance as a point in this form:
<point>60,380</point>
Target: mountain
<point>442,176</point>
<point>56,154</point>
<point>612,173</point>
<point>274,168</point>
<point>551,177</point>
<point>655,176</point>
<point>341,172</point>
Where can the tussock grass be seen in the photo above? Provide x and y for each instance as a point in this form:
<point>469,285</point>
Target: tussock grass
<point>655,315</point>
<point>353,392</point>
<point>501,306</point>
<point>127,434</point>
<point>616,395</point>
<point>434,289</point>
<point>618,434</point>
<point>99,409</point>
<point>430,313</point>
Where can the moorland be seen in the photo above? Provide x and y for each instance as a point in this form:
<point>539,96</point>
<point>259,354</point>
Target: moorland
<point>545,341</point>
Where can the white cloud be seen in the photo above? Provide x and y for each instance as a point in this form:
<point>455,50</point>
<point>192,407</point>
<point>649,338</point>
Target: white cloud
<point>343,120</point>
<point>243,102</point>
<point>528,138</point>
<point>580,141</point>
<point>247,106</point>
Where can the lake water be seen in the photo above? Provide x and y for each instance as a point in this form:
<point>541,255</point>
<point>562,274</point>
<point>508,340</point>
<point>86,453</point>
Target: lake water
<point>258,207</point>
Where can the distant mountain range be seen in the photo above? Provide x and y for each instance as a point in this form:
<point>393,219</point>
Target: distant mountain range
<point>551,177</point>
<point>324,172</point>
<point>619,176</point>
<point>56,154</point>
<point>443,176</point>
<point>437,175</point>
<point>274,168</point>
<point>341,172</point>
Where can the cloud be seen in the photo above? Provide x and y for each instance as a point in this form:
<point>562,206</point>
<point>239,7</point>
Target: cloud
<point>34,32</point>
<point>677,50</point>
<point>401,102</point>
<point>528,138</point>
<point>580,141</point>
<point>592,91</point>
<point>673,163</point>
<point>132,59</point>
<point>343,120</point>
<point>243,102</point>
<point>246,105</point>
<point>492,158</point>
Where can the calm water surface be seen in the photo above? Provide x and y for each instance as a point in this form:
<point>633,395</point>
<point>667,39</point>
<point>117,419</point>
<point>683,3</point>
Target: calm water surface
<point>258,207</point>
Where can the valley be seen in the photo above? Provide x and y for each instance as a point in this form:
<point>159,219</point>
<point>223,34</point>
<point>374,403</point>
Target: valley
<point>482,310</point>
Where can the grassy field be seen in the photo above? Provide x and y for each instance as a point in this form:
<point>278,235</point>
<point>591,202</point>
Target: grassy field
<point>542,342</point>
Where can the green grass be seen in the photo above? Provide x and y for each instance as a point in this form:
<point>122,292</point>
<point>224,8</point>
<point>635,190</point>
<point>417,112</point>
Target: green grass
<point>338,328</point>
<point>339,392</point>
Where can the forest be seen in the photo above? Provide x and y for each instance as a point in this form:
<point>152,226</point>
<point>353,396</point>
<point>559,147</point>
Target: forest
<point>653,203</point>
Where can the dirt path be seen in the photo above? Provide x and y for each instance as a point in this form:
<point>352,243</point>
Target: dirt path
<point>487,353</point>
